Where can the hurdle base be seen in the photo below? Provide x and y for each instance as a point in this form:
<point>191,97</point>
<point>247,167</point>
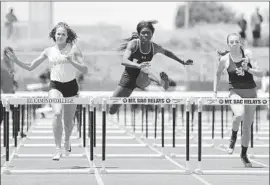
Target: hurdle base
<point>198,171</point>
<point>173,155</point>
<point>7,172</point>
<point>48,155</point>
<point>188,172</point>
<point>103,171</point>
<point>49,171</point>
<point>144,171</point>
<point>212,145</point>
<point>127,156</point>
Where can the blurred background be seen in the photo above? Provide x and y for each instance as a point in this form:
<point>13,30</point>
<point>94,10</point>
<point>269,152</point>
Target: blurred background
<point>191,30</point>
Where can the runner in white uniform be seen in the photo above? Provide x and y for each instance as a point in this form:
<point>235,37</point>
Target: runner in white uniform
<point>65,60</point>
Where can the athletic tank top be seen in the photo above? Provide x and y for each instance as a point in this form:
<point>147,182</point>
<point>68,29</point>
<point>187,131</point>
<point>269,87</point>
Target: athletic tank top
<point>140,57</point>
<point>61,69</point>
<point>242,79</point>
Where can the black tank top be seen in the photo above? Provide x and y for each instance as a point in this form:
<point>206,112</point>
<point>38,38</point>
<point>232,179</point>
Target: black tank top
<point>242,80</point>
<point>132,73</point>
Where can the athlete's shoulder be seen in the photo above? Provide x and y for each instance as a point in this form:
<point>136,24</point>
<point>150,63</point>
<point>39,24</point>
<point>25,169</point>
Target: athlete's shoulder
<point>156,45</point>
<point>134,42</point>
<point>248,53</point>
<point>157,48</point>
<point>74,47</point>
<point>133,45</point>
<point>224,58</point>
<point>47,50</point>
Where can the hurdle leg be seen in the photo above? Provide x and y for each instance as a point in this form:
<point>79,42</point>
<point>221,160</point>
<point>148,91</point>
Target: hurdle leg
<point>22,121</point>
<point>199,167</point>
<point>95,116</point>
<point>80,121</point>
<point>226,114</point>
<point>162,126</point>
<point>182,114</point>
<point>133,118</point>
<point>84,126</point>
<point>257,121</point>
<point>91,122</point>
<point>125,115</point>
<point>146,121</point>
<point>213,125</point>
<point>222,122</point>
<point>4,126</point>
<point>7,135</point>
<point>27,117</point>
<point>187,136</point>
<point>142,129</point>
<point>15,124</point>
<point>174,112</point>
<point>155,132</point>
<point>103,170</point>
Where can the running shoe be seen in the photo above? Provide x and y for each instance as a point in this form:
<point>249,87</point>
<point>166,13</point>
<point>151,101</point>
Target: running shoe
<point>231,146</point>
<point>67,147</point>
<point>246,161</point>
<point>57,155</point>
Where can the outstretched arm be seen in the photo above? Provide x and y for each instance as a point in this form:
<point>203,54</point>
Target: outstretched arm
<point>76,59</point>
<point>28,66</point>
<point>159,49</point>
<point>221,67</point>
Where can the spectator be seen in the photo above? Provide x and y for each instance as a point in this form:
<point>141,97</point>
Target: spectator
<point>10,19</point>
<point>243,26</point>
<point>256,21</point>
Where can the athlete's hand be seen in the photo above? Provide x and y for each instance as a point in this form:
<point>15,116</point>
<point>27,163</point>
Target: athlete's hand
<point>11,55</point>
<point>144,64</point>
<point>68,56</point>
<point>188,62</point>
<point>245,64</point>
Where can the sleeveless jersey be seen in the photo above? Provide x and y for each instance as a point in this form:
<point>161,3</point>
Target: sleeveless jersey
<point>130,74</point>
<point>238,77</point>
<point>61,69</point>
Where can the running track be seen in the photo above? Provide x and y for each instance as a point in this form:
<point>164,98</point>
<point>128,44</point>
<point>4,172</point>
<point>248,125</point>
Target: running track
<point>114,129</point>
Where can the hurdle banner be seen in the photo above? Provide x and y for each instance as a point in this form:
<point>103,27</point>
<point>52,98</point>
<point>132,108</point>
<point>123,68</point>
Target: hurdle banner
<point>15,100</point>
<point>202,100</point>
<point>47,100</point>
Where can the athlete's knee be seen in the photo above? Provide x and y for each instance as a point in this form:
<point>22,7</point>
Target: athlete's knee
<point>113,109</point>
<point>237,117</point>
<point>57,113</point>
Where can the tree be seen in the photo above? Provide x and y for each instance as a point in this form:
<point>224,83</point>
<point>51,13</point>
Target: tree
<point>209,12</point>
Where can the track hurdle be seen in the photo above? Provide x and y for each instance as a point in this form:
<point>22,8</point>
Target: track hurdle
<point>199,169</point>
<point>18,101</point>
